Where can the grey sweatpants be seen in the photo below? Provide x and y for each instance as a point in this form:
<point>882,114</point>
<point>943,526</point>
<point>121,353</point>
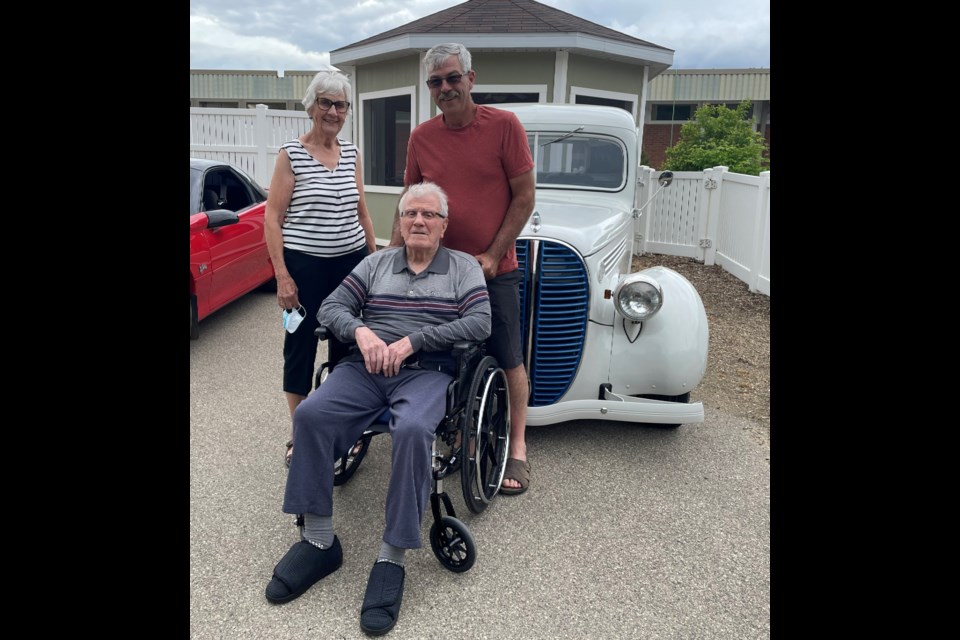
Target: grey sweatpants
<point>332,418</point>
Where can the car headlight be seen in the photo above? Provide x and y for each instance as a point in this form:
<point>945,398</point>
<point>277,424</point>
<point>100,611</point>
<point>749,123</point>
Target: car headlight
<point>638,297</point>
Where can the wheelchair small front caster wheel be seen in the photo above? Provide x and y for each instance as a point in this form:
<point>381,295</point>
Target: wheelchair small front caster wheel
<point>453,544</point>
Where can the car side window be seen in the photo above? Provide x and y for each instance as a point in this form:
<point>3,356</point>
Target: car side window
<point>212,184</point>
<point>224,189</point>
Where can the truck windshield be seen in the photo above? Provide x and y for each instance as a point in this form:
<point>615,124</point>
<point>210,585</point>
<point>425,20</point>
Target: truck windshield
<point>575,160</point>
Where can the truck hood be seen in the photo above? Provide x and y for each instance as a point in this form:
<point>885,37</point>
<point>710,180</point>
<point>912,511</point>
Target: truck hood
<point>578,222</point>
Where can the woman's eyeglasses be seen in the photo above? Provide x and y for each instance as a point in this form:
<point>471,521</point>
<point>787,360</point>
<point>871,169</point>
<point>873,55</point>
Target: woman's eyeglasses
<point>453,79</point>
<point>341,105</point>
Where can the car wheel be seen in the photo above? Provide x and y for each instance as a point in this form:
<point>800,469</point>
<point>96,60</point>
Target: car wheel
<point>194,323</point>
<point>681,398</point>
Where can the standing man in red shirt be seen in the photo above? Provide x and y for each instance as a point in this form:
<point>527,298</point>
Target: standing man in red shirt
<point>480,156</point>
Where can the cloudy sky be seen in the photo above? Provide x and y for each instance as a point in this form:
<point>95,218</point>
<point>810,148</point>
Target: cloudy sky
<point>299,34</point>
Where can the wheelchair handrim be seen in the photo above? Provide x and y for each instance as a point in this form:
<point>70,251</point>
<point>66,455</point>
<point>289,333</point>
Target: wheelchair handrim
<point>478,428</point>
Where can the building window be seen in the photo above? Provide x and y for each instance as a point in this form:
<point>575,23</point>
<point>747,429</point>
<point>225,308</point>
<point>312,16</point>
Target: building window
<point>732,106</point>
<point>219,105</point>
<point>672,112</point>
<point>626,101</point>
<point>386,129</point>
<point>606,102</point>
<point>508,93</point>
<point>503,98</point>
<point>270,105</point>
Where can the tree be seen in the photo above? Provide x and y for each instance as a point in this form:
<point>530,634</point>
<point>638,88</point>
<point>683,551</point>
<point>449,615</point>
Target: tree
<point>719,136</point>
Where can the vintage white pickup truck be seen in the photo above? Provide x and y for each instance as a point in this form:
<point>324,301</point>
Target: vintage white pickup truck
<point>600,342</point>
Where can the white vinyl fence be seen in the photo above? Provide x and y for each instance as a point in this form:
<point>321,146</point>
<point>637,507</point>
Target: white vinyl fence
<point>713,216</point>
<point>246,138</point>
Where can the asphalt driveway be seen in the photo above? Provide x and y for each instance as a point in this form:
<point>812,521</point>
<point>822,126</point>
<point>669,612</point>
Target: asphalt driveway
<point>627,531</point>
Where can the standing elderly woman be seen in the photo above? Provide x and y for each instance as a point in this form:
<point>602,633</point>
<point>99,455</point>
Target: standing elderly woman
<point>317,226</point>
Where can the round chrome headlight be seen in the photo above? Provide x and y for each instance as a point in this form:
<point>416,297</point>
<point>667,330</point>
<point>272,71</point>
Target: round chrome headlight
<point>638,297</point>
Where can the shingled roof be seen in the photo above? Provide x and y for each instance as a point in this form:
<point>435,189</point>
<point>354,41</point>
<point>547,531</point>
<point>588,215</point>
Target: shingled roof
<point>521,17</point>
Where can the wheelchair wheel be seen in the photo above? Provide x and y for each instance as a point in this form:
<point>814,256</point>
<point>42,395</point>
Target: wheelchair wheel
<point>485,434</point>
<point>453,544</point>
<point>321,374</point>
<point>346,465</point>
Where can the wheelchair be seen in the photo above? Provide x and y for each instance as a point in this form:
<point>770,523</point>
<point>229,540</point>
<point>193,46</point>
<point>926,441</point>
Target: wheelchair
<point>478,417</point>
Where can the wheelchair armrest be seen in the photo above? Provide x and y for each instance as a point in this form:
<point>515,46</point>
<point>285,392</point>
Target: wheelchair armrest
<point>466,354</point>
<point>464,351</point>
<point>321,332</point>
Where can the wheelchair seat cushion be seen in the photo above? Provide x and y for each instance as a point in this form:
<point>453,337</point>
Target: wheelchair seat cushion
<point>381,601</point>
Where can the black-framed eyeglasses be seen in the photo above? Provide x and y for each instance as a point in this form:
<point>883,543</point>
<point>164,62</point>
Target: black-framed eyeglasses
<point>341,105</point>
<point>453,79</point>
<point>411,214</point>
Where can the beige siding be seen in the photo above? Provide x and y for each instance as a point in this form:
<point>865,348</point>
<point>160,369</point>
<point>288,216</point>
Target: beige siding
<point>388,74</point>
<point>239,85</point>
<point>695,85</point>
<point>510,68</point>
<point>689,85</point>
<point>299,81</point>
<point>605,75</point>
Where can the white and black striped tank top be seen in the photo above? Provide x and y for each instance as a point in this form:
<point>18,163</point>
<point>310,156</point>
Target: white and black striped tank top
<point>322,217</point>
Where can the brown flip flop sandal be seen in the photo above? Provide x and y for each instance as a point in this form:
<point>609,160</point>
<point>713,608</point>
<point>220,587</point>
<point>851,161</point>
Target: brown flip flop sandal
<point>518,470</point>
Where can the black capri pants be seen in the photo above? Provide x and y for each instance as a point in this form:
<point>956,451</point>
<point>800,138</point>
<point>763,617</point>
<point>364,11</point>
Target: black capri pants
<point>316,278</point>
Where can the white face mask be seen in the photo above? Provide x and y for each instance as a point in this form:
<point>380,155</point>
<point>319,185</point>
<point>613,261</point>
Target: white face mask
<point>292,319</point>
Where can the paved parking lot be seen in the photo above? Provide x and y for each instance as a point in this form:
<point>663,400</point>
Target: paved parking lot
<point>627,531</point>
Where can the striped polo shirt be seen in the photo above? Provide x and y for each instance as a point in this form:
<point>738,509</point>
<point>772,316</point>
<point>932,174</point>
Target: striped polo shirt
<point>444,303</point>
<point>322,216</point>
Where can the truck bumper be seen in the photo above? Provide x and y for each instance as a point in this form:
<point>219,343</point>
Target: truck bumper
<point>617,408</point>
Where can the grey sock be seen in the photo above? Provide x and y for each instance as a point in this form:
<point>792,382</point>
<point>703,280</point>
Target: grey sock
<point>391,553</point>
<point>318,530</point>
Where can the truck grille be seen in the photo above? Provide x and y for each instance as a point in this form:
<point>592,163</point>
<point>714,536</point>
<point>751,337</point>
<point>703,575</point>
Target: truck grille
<point>554,297</point>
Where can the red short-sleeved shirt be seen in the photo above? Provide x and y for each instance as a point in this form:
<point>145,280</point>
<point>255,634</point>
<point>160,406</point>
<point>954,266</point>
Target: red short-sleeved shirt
<point>474,166</point>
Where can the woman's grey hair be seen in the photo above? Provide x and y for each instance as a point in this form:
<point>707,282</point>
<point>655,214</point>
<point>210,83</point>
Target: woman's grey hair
<point>437,55</point>
<point>422,189</point>
<point>328,80</point>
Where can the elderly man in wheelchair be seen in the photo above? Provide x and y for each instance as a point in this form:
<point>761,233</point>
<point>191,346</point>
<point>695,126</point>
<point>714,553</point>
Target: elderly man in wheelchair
<point>404,309</point>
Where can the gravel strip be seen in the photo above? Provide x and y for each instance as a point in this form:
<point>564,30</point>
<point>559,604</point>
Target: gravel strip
<point>737,381</point>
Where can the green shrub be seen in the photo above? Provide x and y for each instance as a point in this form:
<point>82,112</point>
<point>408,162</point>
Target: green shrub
<point>719,136</point>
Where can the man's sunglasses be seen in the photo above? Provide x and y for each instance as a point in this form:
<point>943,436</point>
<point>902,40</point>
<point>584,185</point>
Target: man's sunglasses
<point>453,79</point>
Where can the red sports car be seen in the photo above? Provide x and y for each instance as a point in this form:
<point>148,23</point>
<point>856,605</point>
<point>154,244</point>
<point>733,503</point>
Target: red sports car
<point>228,252</point>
